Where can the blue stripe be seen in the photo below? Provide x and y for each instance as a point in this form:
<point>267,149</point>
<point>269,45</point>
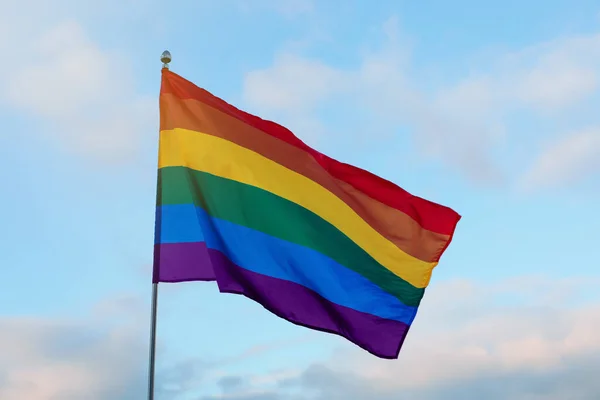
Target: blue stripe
<point>178,224</point>
<point>277,258</point>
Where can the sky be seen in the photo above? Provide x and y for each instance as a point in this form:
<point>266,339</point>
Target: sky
<point>490,108</point>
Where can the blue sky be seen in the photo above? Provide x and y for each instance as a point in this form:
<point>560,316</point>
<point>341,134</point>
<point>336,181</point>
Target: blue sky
<point>490,109</point>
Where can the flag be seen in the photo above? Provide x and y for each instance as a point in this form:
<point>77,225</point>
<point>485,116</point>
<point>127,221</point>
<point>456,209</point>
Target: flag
<point>243,202</point>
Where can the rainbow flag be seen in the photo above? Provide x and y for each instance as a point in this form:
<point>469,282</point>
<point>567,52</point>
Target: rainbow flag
<point>322,244</point>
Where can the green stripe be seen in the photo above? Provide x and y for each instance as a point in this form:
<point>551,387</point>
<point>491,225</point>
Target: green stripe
<point>263,211</point>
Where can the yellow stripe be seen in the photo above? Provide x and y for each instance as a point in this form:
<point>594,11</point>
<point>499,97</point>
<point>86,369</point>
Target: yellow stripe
<point>220,157</point>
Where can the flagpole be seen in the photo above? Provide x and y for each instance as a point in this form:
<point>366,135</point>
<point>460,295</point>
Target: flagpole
<point>166,59</point>
<point>152,341</point>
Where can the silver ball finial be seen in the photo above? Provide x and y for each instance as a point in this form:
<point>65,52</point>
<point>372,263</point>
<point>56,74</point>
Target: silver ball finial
<point>165,57</point>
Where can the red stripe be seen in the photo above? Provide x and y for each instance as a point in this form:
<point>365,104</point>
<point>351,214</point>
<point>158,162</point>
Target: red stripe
<point>429,215</point>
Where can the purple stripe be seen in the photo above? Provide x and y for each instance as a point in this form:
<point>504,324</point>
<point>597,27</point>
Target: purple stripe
<point>304,307</point>
<point>182,262</point>
<point>293,302</point>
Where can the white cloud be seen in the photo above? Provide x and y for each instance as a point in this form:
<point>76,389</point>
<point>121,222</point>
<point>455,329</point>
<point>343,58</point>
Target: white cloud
<point>472,341</point>
<point>556,75</point>
<point>67,70</point>
<point>96,359</point>
<point>570,159</point>
<point>483,331</point>
<point>464,122</point>
<point>103,356</point>
<point>292,83</point>
<point>82,95</point>
<point>382,87</point>
<point>557,86</point>
<point>292,89</point>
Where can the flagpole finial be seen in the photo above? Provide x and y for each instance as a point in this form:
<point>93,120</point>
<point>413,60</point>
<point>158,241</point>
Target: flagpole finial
<point>165,57</point>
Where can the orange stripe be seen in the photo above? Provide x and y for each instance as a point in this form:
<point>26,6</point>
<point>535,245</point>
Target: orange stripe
<point>429,215</point>
<point>391,223</point>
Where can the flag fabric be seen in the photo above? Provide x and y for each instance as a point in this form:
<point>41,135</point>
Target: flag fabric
<point>243,202</point>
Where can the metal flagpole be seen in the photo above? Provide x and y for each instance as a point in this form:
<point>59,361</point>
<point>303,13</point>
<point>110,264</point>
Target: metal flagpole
<point>152,342</point>
<point>166,59</point>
